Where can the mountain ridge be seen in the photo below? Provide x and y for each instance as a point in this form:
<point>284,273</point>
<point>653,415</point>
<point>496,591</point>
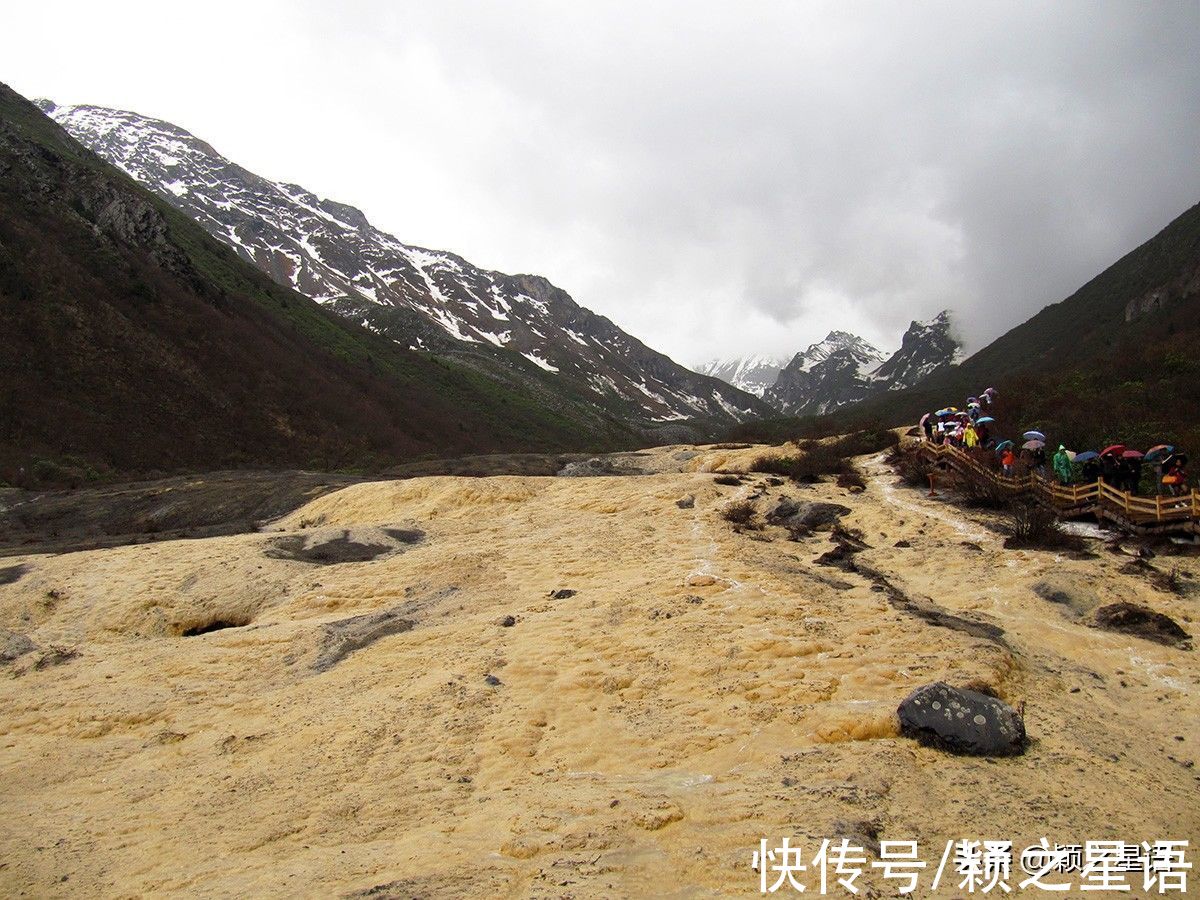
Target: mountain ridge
<point>424,299</point>
<point>137,343</point>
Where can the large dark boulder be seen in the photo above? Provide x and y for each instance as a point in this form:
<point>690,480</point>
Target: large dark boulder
<point>961,721</point>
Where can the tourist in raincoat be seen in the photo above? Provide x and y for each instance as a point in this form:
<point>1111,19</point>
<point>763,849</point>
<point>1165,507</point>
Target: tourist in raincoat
<point>971,437</point>
<point>1062,465</point>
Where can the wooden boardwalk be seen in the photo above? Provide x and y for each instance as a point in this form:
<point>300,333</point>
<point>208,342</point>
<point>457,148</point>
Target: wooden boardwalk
<point>1143,515</point>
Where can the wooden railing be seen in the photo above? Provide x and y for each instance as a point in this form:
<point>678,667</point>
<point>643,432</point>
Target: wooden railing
<point>1077,498</point>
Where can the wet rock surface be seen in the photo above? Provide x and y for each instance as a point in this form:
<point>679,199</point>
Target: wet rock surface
<point>357,546</point>
<point>1143,622</point>
<point>343,637</point>
<point>13,646</point>
<point>961,721</point>
<point>597,466</point>
<point>11,574</point>
<point>1076,598</point>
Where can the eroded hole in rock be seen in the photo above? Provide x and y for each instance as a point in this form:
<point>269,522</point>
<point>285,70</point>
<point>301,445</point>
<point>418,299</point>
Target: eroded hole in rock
<point>218,624</point>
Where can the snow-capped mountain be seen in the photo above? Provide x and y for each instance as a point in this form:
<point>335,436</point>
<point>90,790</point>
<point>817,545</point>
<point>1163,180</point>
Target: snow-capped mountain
<point>829,374</point>
<point>925,348</point>
<point>843,368</point>
<point>753,374</point>
<point>425,299</point>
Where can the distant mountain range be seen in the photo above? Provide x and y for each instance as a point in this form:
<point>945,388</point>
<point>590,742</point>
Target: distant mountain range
<point>842,369</point>
<point>516,328</point>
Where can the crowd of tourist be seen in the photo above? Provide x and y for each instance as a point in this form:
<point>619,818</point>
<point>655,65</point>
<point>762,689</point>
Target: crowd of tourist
<point>973,429</point>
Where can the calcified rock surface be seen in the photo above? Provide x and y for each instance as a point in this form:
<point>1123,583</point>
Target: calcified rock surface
<point>431,721</point>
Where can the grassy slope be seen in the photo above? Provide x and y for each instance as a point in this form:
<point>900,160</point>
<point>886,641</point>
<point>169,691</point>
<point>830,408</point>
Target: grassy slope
<point>132,364</point>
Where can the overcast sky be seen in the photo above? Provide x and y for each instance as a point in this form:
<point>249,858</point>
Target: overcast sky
<point>718,178</point>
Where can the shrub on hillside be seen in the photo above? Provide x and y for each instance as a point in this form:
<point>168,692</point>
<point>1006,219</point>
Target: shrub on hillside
<point>740,513</point>
<point>911,466</point>
<point>1034,527</point>
<point>980,491</point>
<point>871,440</point>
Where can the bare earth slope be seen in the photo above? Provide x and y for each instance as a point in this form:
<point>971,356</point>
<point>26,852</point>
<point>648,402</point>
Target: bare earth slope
<point>700,690</point>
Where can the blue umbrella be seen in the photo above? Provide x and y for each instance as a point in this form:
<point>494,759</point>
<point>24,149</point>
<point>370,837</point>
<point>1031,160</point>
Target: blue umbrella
<point>1086,455</point>
<point>1162,450</point>
<point>985,420</point>
<point>1034,436</point>
<point>1000,446</point>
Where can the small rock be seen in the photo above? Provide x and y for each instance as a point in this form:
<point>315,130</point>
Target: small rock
<point>961,721</point>
<point>687,502</point>
<point>508,622</point>
<point>493,681</point>
<point>902,544</point>
<point>700,580</point>
<point>562,594</point>
<point>971,545</point>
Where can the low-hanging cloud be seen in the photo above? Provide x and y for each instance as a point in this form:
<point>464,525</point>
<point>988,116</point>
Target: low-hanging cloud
<point>718,178</point>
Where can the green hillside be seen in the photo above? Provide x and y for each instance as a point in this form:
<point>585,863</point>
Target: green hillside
<point>134,342</point>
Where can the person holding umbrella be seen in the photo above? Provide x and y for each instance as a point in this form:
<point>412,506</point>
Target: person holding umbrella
<point>1090,460</point>
<point>1008,459</point>
<point>1062,465</point>
<point>1176,478</point>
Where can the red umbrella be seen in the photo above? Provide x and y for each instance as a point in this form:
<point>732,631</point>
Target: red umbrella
<point>1133,454</point>
<point>1114,450</point>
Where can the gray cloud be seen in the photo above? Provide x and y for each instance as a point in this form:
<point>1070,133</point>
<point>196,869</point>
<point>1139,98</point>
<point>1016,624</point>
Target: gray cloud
<point>718,178</point>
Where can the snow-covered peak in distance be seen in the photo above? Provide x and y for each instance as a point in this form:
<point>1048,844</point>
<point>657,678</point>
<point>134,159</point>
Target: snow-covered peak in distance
<point>753,374</point>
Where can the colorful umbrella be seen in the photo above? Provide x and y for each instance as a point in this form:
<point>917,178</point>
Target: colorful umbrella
<point>1086,455</point>
<point>1000,446</point>
<point>974,404</point>
<point>990,391</point>
<point>985,420</point>
<point>924,419</point>
<point>1114,450</point>
<point>1072,455</point>
<point>1033,445</point>
<point>1163,450</point>
<point>1034,436</point>
<point>942,412</point>
<point>971,400</point>
<point>1132,454</point>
